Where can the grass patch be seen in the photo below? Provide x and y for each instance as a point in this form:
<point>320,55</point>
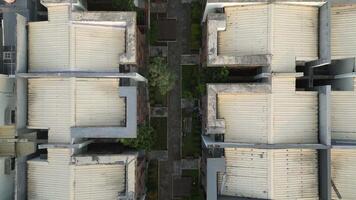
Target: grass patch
<point>194,79</point>
<point>197,192</point>
<point>191,142</point>
<point>160,127</point>
<point>196,12</point>
<point>195,37</point>
<point>153,34</point>
<point>190,79</point>
<point>195,28</point>
<point>152,180</point>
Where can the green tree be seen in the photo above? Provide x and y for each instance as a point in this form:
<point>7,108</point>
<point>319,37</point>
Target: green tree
<point>153,33</point>
<point>160,77</point>
<point>145,138</point>
<point>124,5</point>
<point>216,75</point>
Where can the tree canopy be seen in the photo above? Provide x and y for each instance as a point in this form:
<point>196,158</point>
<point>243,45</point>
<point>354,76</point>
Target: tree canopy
<point>124,5</point>
<point>160,77</point>
<point>145,138</point>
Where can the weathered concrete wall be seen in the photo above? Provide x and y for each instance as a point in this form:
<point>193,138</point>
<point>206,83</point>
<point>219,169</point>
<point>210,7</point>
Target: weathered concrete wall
<point>7,98</point>
<point>215,125</point>
<point>217,22</point>
<point>128,131</point>
<point>7,184</point>
<point>325,174</point>
<point>21,66</point>
<point>129,18</point>
<point>324,33</point>
<point>214,165</point>
<point>324,115</point>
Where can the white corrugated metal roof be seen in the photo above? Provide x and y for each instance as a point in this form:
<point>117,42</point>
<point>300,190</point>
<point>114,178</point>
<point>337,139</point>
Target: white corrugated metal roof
<point>343,167</point>
<point>50,181</point>
<point>96,48</point>
<point>284,116</point>
<point>343,31</point>
<point>343,114</point>
<point>270,174</point>
<point>246,117</point>
<point>295,32</point>
<point>246,173</point>
<point>98,103</point>
<point>50,106</point>
<point>58,104</point>
<point>295,174</point>
<point>59,45</point>
<point>48,46</point>
<point>57,178</point>
<point>288,32</point>
<point>99,181</point>
<point>246,32</point>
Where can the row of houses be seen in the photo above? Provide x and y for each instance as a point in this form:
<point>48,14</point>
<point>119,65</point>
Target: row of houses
<point>73,85</point>
<point>291,132</point>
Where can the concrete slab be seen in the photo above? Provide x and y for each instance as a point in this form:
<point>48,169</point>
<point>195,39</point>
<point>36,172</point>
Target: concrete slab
<point>324,115</point>
<point>210,143</point>
<point>131,75</point>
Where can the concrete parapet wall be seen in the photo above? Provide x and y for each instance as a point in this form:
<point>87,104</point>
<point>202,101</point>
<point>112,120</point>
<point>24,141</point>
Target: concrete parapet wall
<point>217,22</point>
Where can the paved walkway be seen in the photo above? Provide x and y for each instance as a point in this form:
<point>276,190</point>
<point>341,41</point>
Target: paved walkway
<point>180,12</point>
<point>158,155</point>
<point>192,59</point>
